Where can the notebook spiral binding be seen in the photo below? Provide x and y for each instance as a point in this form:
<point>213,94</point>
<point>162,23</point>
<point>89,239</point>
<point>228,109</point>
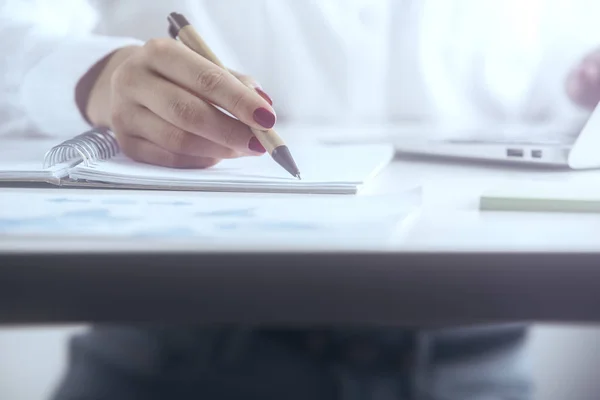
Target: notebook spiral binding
<point>88,147</point>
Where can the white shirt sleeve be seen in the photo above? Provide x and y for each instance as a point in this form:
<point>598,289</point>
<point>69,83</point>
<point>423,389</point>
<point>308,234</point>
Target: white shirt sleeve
<point>51,46</point>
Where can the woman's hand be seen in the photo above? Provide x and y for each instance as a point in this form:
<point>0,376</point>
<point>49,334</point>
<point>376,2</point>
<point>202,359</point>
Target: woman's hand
<point>158,98</point>
<point>583,82</point>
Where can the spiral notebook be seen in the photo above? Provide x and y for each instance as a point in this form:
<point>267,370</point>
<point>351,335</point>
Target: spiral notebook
<point>93,159</point>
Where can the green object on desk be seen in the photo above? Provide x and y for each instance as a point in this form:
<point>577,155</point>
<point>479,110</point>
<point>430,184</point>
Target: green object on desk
<point>542,197</point>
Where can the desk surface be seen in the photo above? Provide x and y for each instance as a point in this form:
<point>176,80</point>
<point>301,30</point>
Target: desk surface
<point>454,265</point>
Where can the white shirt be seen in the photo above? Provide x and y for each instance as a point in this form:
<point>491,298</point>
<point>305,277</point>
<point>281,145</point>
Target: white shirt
<point>320,60</point>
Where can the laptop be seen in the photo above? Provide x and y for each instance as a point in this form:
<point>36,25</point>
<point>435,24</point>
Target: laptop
<point>569,146</point>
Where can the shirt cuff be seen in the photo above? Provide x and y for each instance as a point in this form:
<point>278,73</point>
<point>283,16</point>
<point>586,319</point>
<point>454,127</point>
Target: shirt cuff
<point>48,90</point>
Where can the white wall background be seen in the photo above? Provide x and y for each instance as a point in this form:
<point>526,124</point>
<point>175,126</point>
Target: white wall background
<point>566,361</point>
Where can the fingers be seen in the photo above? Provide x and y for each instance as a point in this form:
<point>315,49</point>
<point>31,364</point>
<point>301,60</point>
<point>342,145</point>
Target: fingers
<point>583,83</point>
<point>143,123</point>
<point>142,150</point>
<point>590,71</point>
<point>163,110</point>
<point>201,77</point>
<point>252,83</point>
<point>189,113</point>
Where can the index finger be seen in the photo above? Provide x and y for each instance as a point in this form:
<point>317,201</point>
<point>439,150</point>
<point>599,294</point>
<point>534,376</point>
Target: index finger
<point>184,67</point>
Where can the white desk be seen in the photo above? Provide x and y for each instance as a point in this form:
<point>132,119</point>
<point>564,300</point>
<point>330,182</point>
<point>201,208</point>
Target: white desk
<point>456,265</point>
<point>450,219</point>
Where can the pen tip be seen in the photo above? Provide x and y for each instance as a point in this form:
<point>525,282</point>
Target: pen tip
<point>298,176</point>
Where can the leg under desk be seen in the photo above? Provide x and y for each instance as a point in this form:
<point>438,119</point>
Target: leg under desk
<point>126,363</point>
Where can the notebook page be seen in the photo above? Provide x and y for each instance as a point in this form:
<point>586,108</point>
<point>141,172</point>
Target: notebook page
<point>319,165</point>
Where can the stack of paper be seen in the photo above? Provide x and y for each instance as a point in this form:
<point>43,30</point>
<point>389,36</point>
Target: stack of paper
<point>22,160</point>
<point>324,169</point>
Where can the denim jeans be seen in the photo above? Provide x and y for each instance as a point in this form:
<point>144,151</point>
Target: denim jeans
<point>127,363</point>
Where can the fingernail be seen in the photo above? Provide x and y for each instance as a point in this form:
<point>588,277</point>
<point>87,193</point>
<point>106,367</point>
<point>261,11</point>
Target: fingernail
<point>264,118</point>
<point>264,95</point>
<point>255,145</point>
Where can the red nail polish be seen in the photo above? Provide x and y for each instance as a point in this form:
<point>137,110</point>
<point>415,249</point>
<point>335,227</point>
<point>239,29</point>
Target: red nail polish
<point>255,145</point>
<point>264,95</point>
<point>264,118</point>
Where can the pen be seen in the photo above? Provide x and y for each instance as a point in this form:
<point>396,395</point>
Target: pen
<point>180,28</point>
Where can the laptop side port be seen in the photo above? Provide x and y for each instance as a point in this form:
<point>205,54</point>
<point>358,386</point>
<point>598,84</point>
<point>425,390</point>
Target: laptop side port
<point>536,153</point>
<point>514,152</point>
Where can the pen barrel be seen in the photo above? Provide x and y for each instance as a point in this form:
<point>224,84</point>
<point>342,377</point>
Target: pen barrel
<point>191,39</point>
<point>179,27</point>
<point>269,139</point>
